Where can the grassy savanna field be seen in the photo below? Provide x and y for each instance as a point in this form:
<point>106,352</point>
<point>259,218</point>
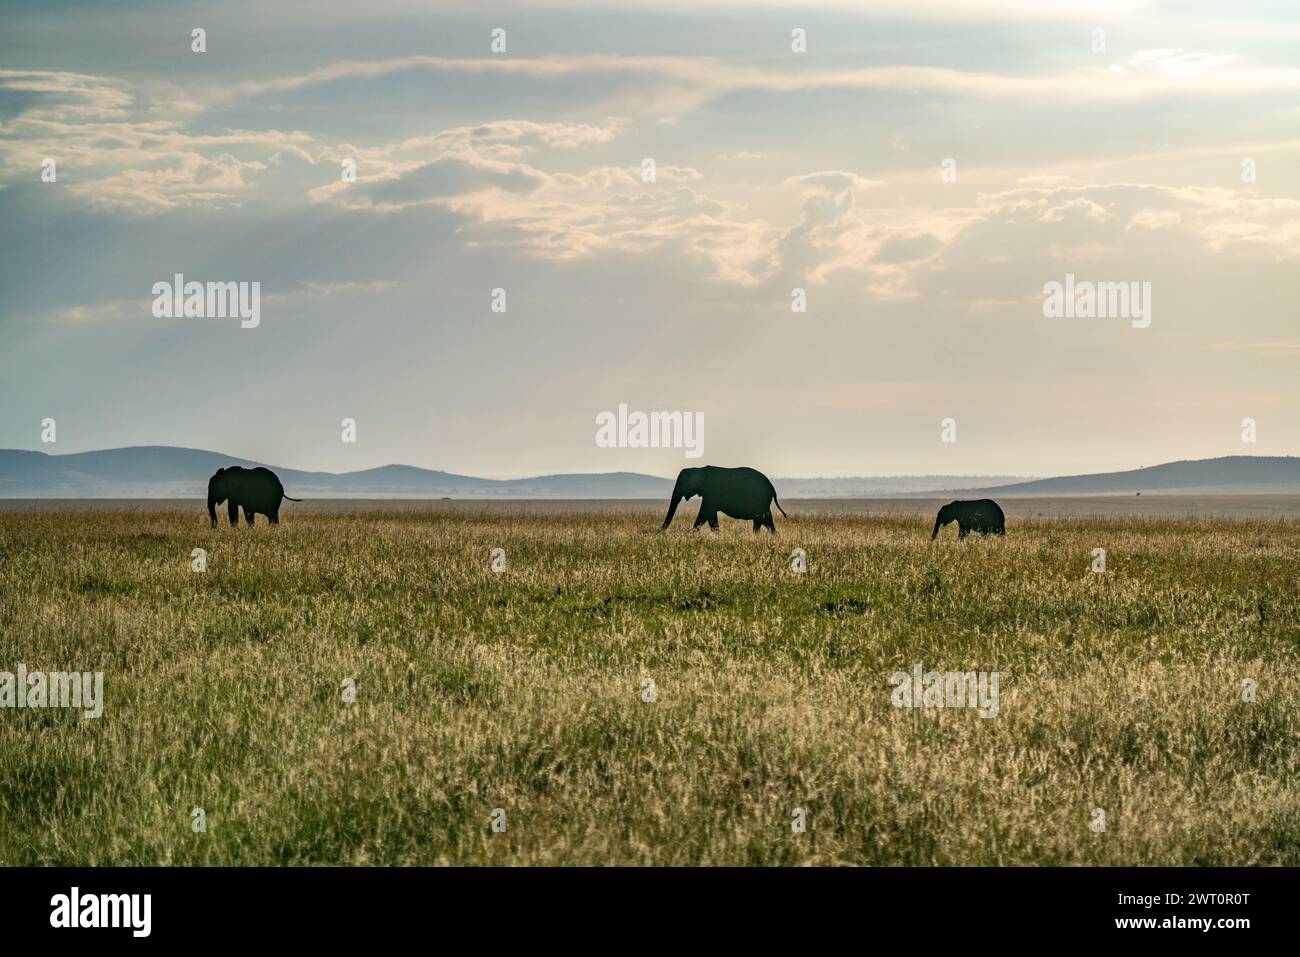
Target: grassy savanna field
<point>522,690</point>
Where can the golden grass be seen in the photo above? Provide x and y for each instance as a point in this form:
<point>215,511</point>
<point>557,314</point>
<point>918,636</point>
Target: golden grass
<point>523,691</point>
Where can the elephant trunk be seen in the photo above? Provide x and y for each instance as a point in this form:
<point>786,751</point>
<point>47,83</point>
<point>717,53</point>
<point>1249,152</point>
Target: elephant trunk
<point>212,509</point>
<point>672,505</point>
<point>937,522</point>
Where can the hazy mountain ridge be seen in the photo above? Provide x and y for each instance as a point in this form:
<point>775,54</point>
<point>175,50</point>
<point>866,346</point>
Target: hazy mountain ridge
<point>1229,474</point>
<point>170,472</point>
<point>167,471</point>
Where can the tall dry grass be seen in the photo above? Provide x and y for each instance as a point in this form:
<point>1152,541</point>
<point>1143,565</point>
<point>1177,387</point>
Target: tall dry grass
<point>523,691</point>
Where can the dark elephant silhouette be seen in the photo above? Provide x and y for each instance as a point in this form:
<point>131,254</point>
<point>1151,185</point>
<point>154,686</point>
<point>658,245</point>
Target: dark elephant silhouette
<point>983,515</point>
<point>254,490</point>
<point>740,493</point>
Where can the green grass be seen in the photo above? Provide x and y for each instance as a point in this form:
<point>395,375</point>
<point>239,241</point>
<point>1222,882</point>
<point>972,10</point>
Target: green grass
<point>523,691</point>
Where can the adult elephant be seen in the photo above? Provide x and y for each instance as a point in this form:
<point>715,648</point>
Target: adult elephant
<point>740,493</point>
<point>983,515</point>
<point>253,490</point>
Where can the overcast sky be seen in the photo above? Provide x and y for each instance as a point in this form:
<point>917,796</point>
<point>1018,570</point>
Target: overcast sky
<point>775,170</point>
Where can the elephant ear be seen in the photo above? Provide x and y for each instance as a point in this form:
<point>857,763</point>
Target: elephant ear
<point>220,470</point>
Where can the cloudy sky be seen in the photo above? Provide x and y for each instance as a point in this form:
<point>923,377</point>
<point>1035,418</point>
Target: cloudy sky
<point>1113,141</point>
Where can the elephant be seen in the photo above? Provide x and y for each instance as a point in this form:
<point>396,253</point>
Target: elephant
<point>983,516</point>
<point>256,490</point>
<point>740,493</point>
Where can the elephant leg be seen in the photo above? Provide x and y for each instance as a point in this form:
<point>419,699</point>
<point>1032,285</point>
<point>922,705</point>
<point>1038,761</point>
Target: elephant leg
<point>771,526</point>
<point>713,520</point>
<point>274,517</point>
<point>961,531</point>
<point>758,524</point>
<point>703,516</point>
<point>248,516</point>
<point>232,510</point>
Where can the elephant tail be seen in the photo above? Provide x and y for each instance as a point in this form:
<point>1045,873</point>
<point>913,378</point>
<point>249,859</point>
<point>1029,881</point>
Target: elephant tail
<point>777,503</point>
<point>290,498</point>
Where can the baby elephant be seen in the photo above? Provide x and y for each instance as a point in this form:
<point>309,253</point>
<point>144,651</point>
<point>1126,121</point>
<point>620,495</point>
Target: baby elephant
<point>740,493</point>
<point>255,490</point>
<point>981,516</point>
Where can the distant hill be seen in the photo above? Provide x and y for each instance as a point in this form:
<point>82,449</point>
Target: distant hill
<point>883,486</point>
<point>167,472</point>
<point>1230,475</point>
<point>157,471</point>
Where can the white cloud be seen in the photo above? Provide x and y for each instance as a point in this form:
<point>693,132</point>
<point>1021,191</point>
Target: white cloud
<point>1179,62</point>
<point>658,85</point>
<point>67,96</point>
<point>194,181</point>
<point>117,149</point>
